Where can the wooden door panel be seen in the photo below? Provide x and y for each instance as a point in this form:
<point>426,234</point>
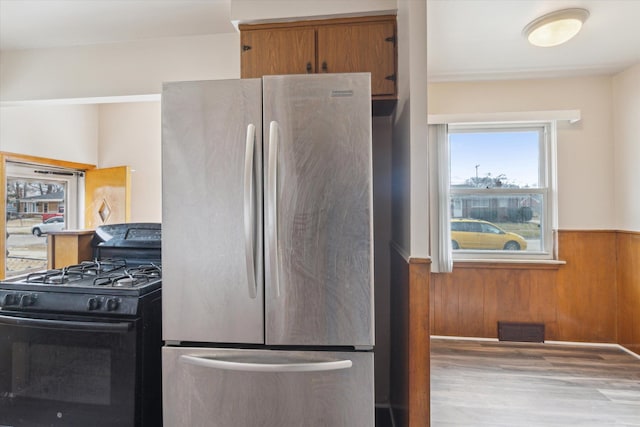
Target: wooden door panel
<point>277,51</point>
<point>360,48</point>
<point>107,196</point>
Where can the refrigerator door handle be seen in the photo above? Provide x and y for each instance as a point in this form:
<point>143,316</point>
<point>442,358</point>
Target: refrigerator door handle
<point>273,204</point>
<point>249,211</point>
<point>229,365</point>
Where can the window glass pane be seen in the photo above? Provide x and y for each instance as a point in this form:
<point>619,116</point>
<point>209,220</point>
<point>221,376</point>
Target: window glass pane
<point>35,207</point>
<point>492,159</point>
<point>497,222</point>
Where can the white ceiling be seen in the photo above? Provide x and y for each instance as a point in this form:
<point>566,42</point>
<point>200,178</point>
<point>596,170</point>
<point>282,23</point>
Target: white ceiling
<point>467,39</point>
<point>27,24</point>
<point>482,39</point>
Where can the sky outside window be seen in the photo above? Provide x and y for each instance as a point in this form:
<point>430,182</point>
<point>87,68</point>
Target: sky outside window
<point>512,154</point>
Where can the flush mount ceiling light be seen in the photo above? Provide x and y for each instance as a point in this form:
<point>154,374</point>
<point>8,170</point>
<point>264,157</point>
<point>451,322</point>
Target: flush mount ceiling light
<point>556,27</point>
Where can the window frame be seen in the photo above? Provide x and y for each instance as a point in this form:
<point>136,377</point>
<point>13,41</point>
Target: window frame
<point>547,190</point>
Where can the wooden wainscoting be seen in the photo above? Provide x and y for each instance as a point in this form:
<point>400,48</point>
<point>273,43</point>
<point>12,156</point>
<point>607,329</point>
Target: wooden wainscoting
<point>628,278</point>
<point>576,301</point>
<point>409,382</point>
<point>587,286</point>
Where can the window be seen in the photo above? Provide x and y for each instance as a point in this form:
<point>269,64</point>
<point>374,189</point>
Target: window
<point>501,190</point>
<point>37,199</point>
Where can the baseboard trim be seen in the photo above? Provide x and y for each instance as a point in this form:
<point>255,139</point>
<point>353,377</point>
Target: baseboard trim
<point>450,337</point>
<point>634,354</point>
<point>574,343</point>
<point>597,344</point>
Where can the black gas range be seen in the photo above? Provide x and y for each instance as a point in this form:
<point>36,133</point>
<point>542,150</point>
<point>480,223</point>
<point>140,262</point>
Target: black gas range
<point>109,287</point>
<point>80,345</point>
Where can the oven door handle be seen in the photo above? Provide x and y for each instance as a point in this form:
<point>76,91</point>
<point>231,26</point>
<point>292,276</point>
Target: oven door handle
<point>69,325</point>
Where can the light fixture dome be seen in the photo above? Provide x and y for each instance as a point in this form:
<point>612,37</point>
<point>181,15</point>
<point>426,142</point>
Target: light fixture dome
<point>556,27</point>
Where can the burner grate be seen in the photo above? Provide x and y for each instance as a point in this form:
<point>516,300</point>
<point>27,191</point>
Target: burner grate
<point>130,277</point>
<point>98,266</point>
<point>74,273</point>
<point>55,277</point>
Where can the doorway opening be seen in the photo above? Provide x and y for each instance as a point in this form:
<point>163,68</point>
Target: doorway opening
<point>39,200</point>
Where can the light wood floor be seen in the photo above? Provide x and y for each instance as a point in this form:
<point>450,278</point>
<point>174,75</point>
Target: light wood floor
<point>476,383</point>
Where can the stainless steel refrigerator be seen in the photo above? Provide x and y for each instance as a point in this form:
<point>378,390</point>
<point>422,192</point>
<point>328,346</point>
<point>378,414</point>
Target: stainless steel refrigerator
<point>268,252</point>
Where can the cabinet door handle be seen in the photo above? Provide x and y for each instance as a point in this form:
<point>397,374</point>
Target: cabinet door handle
<point>324,66</point>
<point>308,67</point>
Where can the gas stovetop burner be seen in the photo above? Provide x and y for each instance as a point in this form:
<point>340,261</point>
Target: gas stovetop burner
<point>96,267</point>
<point>73,273</point>
<point>129,277</point>
<point>55,277</point>
<point>101,273</point>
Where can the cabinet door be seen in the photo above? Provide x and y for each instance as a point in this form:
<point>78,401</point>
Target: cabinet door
<point>277,51</point>
<point>366,47</point>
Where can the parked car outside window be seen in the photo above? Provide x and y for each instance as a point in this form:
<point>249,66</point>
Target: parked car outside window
<point>478,234</point>
<point>55,223</point>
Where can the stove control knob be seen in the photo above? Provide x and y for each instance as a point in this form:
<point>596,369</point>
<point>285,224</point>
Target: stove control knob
<point>113,304</point>
<point>93,304</point>
<point>9,299</point>
<point>27,300</point>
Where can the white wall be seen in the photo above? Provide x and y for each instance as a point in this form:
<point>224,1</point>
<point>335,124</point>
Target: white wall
<point>119,69</point>
<point>130,135</point>
<point>585,150</point>
<point>61,132</point>
<point>626,120</point>
<point>108,134</point>
<point>410,198</point>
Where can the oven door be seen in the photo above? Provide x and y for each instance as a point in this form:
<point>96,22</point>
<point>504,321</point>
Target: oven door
<point>67,371</point>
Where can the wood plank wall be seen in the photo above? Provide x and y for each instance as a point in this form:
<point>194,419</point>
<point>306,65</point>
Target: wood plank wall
<point>595,297</point>
<point>629,290</point>
<point>409,382</point>
<point>579,301</point>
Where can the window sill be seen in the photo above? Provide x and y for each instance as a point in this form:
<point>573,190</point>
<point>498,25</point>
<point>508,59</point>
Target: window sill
<point>505,264</point>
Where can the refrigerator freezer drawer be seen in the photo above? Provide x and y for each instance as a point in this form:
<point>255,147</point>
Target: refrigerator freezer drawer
<point>268,388</point>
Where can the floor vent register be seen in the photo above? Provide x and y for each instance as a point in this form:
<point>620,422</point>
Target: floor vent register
<point>518,331</point>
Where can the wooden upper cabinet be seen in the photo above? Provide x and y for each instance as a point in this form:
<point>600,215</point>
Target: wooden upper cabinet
<point>277,51</point>
<point>360,48</point>
<point>343,45</point>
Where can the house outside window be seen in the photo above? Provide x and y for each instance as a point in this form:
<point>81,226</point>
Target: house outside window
<point>35,193</point>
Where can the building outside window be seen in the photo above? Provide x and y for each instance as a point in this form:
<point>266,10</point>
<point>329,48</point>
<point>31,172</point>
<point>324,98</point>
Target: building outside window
<point>500,176</point>
<point>499,180</point>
